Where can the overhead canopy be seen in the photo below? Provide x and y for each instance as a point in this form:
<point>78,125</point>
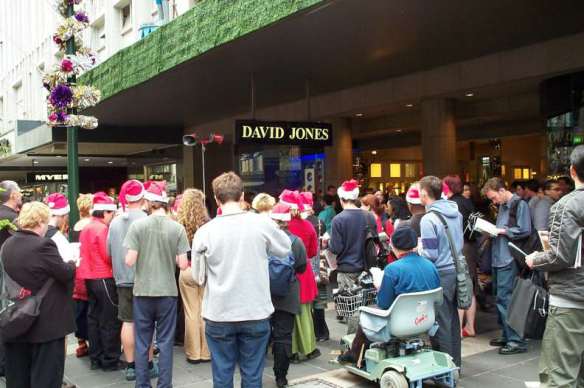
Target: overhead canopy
<point>334,44</point>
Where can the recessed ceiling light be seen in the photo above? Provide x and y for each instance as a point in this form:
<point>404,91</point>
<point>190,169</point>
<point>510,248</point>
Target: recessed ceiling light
<point>359,114</point>
<point>86,160</point>
<point>409,105</point>
<point>373,152</point>
<point>469,94</point>
<point>35,162</point>
<point>59,156</point>
<point>110,162</point>
<point>398,130</point>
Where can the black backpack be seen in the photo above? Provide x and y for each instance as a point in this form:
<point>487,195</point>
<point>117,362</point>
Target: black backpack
<point>527,244</point>
<point>374,254</point>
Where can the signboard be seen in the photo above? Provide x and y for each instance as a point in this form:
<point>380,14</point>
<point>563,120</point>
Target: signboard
<point>283,133</point>
<point>33,177</point>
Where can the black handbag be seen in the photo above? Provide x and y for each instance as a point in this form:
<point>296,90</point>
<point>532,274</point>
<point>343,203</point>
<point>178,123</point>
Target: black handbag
<point>22,310</point>
<point>528,309</point>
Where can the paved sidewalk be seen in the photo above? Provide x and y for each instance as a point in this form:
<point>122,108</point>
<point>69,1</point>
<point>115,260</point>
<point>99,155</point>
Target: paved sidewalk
<point>483,367</point>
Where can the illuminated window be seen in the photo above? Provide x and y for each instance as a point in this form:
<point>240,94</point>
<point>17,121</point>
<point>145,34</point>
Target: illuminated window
<point>375,170</point>
<point>395,170</point>
<point>411,170</point>
<point>521,173</point>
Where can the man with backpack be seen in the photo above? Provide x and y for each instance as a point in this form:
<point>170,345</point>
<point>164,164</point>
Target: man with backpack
<point>514,224</point>
<point>349,233</point>
<point>237,306</point>
<point>285,295</point>
<point>441,213</point>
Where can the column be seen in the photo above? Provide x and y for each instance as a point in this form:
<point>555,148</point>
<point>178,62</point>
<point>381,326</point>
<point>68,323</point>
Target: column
<point>439,138</point>
<point>339,157</point>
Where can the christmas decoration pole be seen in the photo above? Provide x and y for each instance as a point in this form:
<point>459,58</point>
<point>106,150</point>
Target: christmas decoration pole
<point>72,145</point>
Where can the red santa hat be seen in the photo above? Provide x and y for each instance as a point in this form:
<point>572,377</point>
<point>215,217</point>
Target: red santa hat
<point>413,195</point>
<point>101,201</point>
<point>349,190</point>
<point>281,212</point>
<point>155,191</point>
<point>292,199</point>
<point>58,204</point>
<point>445,190</point>
<point>131,191</point>
<point>177,203</point>
<point>307,200</point>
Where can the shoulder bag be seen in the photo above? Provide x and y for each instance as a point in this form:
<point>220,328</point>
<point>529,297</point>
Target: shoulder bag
<point>22,310</point>
<point>464,287</point>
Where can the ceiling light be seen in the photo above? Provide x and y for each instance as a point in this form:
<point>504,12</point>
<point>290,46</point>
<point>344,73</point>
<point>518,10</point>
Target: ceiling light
<point>110,162</point>
<point>35,162</point>
<point>469,94</point>
<point>59,156</point>
<point>86,160</point>
<point>398,130</point>
<point>373,152</point>
<point>409,105</point>
<point>359,114</point>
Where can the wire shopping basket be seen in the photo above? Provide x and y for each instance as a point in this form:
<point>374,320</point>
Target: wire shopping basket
<point>347,305</point>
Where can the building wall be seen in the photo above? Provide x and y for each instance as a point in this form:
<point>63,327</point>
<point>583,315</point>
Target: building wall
<point>27,49</point>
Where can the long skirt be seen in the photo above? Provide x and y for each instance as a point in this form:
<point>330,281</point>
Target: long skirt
<point>303,338</point>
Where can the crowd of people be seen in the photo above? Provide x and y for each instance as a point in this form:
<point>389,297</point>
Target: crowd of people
<point>133,278</point>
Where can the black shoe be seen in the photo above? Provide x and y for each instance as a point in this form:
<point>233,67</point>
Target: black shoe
<point>316,353</point>
<point>346,358</point>
<point>512,349</point>
<point>323,339</point>
<point>499,342</point>
<point>95,365</point>
<point>113,367</point>
<point>281,382</point>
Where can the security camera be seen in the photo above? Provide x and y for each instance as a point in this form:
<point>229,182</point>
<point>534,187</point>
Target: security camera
<point>190,140</point>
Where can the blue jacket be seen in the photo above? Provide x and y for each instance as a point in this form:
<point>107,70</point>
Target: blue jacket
<point>411,273</point>
<point>500,251</point>
<point>435,245</point>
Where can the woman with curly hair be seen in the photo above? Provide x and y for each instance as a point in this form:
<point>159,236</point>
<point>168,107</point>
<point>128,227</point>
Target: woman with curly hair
<point>192,214</point>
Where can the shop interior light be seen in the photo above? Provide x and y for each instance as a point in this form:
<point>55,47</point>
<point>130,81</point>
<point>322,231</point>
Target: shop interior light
<point>359,114</point>
<point>35,162</point>
<point>373,152</point>
<point>469,94</point>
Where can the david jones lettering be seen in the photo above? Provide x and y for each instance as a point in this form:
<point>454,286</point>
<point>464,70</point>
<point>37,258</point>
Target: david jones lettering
<point>296,133</point>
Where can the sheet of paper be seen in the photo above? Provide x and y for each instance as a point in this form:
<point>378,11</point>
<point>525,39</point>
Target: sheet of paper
<point>544,238</point>
<point>377,275</point>
<point>485,226</point>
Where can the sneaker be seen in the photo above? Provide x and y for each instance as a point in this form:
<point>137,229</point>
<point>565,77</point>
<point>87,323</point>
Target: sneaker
<point>130,374</point>
<point>499,342</point>
<point>154,371</point>
<point>281,382</point>
<point>512,348</point>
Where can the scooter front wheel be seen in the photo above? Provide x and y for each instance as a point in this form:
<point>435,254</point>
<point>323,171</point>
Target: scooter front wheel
<point>393,379</point>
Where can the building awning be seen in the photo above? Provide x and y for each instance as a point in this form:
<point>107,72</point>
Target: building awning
<point>197,69</point>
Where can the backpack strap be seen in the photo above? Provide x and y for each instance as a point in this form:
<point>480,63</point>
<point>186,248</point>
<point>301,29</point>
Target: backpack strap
<point>455,256</point>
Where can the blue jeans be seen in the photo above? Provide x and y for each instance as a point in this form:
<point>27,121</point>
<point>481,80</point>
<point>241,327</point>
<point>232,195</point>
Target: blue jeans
<point>238,342</point>
<point>151,312</point>
<point>504,282</point>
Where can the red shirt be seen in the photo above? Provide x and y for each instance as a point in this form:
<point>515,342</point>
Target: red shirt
<point>95,261</point>
<point>304,230</point>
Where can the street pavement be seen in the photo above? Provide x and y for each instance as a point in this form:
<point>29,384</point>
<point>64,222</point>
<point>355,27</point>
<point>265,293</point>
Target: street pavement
<point>482,366</point>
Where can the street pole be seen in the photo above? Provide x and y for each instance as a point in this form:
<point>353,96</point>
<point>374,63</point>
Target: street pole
<point>72,146</point>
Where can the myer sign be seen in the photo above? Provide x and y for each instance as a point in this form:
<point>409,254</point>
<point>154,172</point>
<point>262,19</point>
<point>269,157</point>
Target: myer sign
<point>283,133</point>
<point>34,177</point>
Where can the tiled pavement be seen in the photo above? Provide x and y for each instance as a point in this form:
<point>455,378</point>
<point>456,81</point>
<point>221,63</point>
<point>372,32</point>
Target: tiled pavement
<point>483,367</point>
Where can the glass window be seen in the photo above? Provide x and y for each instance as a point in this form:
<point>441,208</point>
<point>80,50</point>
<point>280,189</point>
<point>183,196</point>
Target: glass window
<point>411,170</point>
<point>375,170</point>
<point>395,170</point>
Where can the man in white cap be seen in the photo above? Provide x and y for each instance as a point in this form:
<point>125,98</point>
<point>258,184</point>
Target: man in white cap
<point>131,198</point>
<point>348,235</point>
<point>155,244</point>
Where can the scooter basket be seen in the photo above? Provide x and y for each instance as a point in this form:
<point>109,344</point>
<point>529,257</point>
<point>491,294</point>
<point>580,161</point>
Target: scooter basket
<point>347,305</point>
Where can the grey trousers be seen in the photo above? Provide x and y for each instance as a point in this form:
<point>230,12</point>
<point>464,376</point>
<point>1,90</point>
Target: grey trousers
<point>347,279</point>
<point>447,338</point>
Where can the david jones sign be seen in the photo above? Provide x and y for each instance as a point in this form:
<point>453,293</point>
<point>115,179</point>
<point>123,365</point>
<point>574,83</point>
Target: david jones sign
<point>283,133</point>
